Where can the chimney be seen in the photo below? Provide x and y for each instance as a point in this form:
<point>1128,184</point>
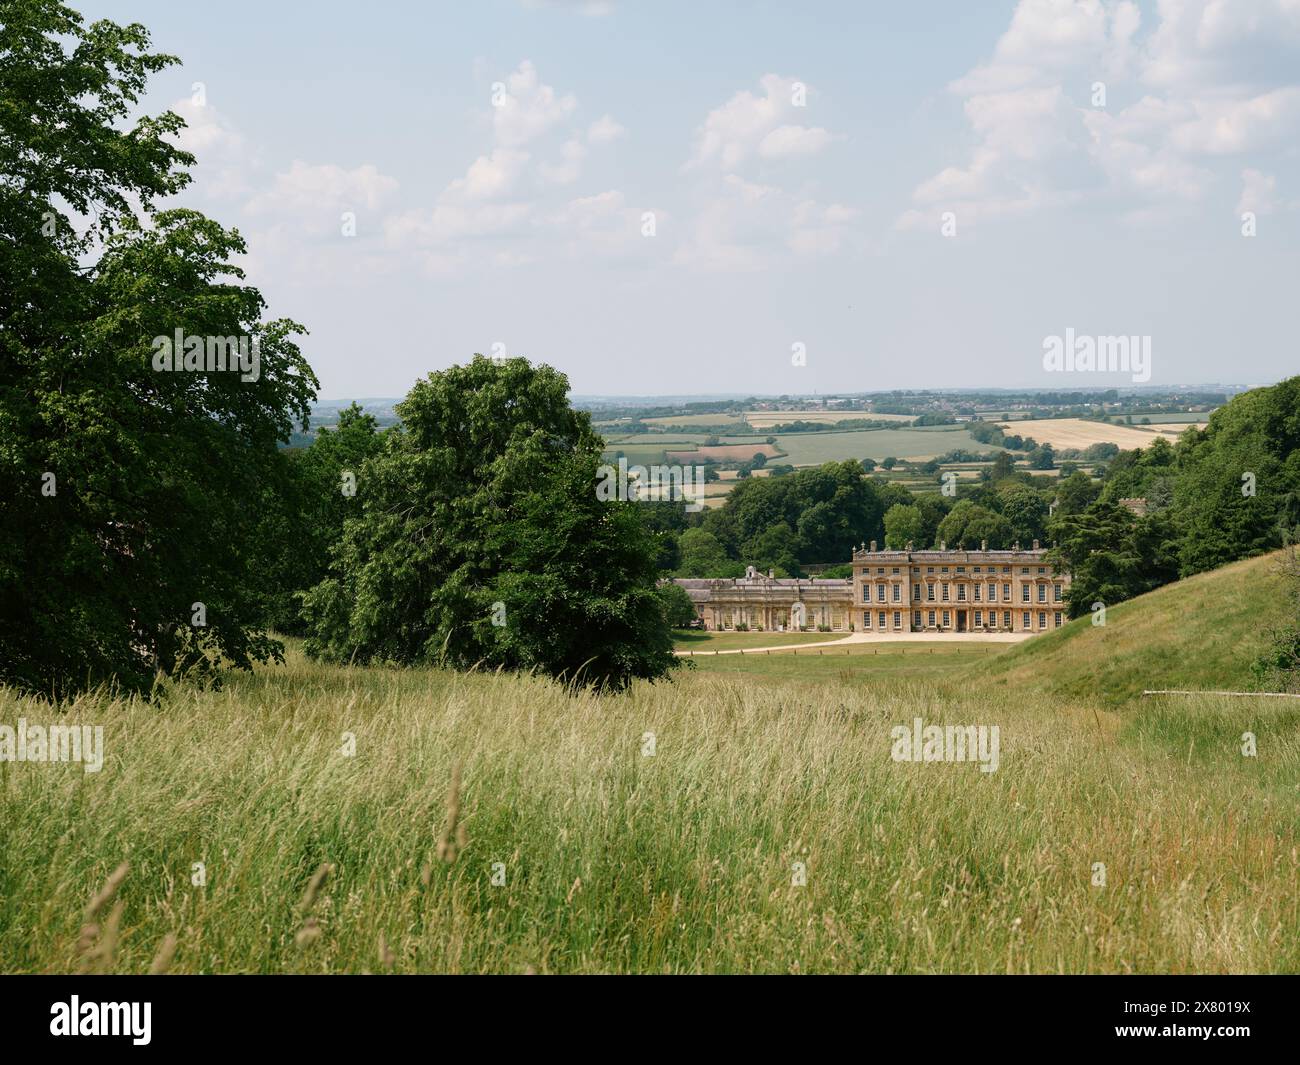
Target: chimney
<point>873,547</point>
<point>1035,545</point>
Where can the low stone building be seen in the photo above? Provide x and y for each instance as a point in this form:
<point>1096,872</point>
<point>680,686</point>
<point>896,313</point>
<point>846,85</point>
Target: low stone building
<point>763,602</point>
<point>937,591</point>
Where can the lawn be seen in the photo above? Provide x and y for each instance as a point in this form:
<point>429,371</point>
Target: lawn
<point>706,642</point>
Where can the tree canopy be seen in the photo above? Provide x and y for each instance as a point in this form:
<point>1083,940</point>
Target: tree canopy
<point>482,540</point>
<point>129,524</point>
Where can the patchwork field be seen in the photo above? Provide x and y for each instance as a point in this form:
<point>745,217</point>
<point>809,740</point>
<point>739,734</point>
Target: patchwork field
<point>812,449</point>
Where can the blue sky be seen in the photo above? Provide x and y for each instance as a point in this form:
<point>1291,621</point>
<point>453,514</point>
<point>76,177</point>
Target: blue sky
<point>501,160</point>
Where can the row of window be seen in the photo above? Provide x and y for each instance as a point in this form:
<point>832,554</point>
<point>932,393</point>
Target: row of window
<point>916,570</point>
<point>978,622</point>
<point>897,593</point>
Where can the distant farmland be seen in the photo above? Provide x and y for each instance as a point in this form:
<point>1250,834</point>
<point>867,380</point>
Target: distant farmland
<point>812,449</point>
<point>672,421</point>
<point>1078,433</point>
<point>725,453</point>
<point>765,419</point>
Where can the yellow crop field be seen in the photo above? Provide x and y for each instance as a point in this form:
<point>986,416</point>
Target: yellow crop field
<point>1078,433</point>
<point>724,453</point>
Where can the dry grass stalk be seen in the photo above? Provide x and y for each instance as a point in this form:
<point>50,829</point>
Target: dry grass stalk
<point>162,961</point>
<point>308,933</point>
<point>453,839</point>
<point>314,885</point>
<point>106,893</point>
<point>386,956</point>
<point>311,929</point>
<point>96,950</point>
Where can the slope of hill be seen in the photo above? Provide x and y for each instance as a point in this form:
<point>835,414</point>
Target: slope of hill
<point>1202,632</point>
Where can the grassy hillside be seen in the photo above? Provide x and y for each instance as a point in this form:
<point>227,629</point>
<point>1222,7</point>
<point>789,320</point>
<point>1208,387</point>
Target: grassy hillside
<point>1199,633</point>
<point>576,850</point>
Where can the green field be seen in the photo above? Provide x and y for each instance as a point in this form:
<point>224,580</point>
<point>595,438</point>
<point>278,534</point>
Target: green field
<point>707,642</point>
<point>768,830</point>
<point>812,449</point>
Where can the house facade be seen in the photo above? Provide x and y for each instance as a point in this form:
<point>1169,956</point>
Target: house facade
<point>938,591</point>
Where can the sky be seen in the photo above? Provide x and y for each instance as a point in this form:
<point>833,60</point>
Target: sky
<point>753,198</point>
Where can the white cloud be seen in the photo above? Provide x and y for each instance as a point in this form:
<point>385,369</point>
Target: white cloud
<point>528,109</point>
<point>605,225</point>
<point>1040,142</point>
<point>224,159</point>
<point>740,128</point>
<point>604,130</point>
<point>308,190</point>
<point>786,141</point>
<point>489,177</point>
<point>1229,127</point>
<point>566,172</point>
<point>447,223</point>
<point>497,214</point>
<point>1258,192</point>
<point>747,226</point>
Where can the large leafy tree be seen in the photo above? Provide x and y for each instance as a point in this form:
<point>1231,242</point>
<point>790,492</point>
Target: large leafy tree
<point>1025,510</point>
<point>1112,555</point>
<point>483,539</point>
<point>968,524</point>
<point>127,522</point>
<point>904,524</point>
<point>702,555</point>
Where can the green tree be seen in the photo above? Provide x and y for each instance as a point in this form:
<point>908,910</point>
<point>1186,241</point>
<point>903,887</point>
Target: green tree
<point>1026,511</point>
<point>127,535</point>
<point>487,537</point>
<point>1075,494</point>
<point>1042,458</point>
<point>904,524</point>
<point>702,555</point>
<point>970,524</point>
<point>1112,555</point>
<point>678,609</point>
<point>1004,466</point>
<point>775,547</point>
